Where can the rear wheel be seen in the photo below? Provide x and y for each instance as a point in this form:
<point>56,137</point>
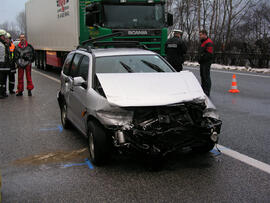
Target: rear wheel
<point>38,60</point>
<point>99,143</point>
<point>65,122</point>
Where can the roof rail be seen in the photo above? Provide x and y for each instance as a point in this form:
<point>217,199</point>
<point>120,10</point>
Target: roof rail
<point>85,48</point>
<point>117,34</point>
<point>119,44</point>
<point>105,44</point>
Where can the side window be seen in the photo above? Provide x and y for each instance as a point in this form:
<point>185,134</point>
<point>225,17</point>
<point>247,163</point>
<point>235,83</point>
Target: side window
<point>84,66</point>
<point>74,66</point>
<point>67,64</point>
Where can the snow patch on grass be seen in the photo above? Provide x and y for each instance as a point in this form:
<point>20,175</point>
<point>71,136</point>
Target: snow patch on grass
<point>238,68</point>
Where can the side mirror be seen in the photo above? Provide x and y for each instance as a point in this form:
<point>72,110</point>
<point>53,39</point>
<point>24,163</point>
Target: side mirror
<point>169,19</point>
<point>79,81</point>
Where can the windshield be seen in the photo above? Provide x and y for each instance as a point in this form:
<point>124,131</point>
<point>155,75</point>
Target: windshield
<point>131,64</point>
<point>134,16</point>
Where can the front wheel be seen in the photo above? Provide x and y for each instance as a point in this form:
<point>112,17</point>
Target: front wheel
<point>204,148</point>
<point>64,120</point>
<point>99,143</point>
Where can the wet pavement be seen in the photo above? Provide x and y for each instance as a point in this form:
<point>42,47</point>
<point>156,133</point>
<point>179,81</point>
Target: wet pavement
<point>42,162</point>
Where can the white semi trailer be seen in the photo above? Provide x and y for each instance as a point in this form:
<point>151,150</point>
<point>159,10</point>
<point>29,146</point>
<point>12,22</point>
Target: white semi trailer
<point>55,27</point>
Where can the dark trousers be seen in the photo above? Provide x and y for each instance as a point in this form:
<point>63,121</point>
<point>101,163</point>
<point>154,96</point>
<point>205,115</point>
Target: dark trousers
<point>205,77</point>
<point>3,81</point>
<point>11,80</point>
<point>176,65</point>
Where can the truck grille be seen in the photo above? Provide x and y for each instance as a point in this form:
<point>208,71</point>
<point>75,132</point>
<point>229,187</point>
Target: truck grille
<point>150,38</point>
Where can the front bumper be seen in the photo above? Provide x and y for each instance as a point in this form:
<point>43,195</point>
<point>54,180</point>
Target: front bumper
<point>165,140</point>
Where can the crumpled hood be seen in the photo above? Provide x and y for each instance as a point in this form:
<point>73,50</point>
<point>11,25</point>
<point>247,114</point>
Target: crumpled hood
<point>150,89</point>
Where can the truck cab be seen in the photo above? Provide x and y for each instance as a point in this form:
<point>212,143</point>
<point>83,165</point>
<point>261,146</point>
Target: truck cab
<point>144,21</point>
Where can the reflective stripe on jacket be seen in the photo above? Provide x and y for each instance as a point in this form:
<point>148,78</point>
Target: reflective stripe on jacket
<point>4,56</point>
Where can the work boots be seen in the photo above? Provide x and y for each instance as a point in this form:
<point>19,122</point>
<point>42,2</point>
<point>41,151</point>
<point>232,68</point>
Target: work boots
<point>19,94</point>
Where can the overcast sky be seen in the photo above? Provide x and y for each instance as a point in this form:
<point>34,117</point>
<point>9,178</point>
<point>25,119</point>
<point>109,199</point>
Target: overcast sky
<point>9,9</point>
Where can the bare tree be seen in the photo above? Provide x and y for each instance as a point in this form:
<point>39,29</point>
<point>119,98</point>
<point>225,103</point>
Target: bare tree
<point>21,21</point>
<point>214,6</point>
<point>5,25</point>
<point>199,14</point>
<point>11,28</point>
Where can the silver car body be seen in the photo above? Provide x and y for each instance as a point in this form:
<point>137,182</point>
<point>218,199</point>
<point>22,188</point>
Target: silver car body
<point>125,91</point>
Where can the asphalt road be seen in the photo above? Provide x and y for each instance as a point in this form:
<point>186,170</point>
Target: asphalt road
<point>245,115</point>
<point>41,162</point>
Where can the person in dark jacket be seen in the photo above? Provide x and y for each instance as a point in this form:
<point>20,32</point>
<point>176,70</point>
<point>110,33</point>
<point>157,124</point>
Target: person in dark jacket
<point>205,57</point>
<point>175,50</point>
<point>4,63</point>
<point>11,75</point>
<point>24,56</point>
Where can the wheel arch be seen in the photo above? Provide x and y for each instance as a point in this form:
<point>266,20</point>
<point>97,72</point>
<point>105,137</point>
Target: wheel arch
<point>61,99</point>
<point>91,118</point>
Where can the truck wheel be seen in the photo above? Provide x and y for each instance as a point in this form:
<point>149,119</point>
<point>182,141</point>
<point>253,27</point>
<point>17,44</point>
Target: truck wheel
<point>64,120</point>
<point>43,61</point>
<point>205,148</point>
<point>38,60</point>
<point>99,144</point>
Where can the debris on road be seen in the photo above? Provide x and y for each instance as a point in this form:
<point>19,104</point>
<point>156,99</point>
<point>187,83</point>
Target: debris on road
<point>53,157</point>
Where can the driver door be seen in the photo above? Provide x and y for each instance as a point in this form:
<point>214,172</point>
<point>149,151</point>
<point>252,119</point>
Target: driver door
<point>79,93</point>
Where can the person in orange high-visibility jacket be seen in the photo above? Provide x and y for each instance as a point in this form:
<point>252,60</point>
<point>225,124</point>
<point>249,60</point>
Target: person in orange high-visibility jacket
<point>11,75</point>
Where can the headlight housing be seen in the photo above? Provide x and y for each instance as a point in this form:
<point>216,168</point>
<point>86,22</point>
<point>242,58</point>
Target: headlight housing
<point>115,118</point>
<point>211,113</point>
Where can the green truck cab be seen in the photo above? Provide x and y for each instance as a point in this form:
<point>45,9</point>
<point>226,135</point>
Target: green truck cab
<point>144,21</point>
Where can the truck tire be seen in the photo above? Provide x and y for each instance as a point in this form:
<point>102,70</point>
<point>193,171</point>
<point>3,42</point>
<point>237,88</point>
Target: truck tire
<point>38,61</point>
<point>43,60</point>
<point>99,143</point>
<point>64,120</point>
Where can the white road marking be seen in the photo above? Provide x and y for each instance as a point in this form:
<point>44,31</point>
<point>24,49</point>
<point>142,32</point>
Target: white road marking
<point>230,72</point>
<point>229,152</point>
<point>47,76</point>
<point>245,159</point>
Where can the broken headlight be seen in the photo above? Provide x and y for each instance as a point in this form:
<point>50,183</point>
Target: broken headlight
<point>118,118</point>
<point>211,113</point>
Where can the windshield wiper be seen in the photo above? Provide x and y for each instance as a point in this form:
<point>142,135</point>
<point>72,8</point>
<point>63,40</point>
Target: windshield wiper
<point>153,66</point>
<point>126,67</point>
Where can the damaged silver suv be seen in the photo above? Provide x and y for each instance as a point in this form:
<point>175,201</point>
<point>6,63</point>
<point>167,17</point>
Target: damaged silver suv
<point>132,100</point>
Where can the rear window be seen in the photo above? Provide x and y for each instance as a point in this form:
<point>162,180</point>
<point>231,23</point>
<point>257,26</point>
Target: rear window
<point>131,64</point>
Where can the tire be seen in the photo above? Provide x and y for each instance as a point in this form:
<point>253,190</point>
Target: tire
<point>99,144</point>
<point>46,67</point>
<point>38,60</point>
<point>43,61</point>
<point>205,148</point>
<point>64,120</point>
